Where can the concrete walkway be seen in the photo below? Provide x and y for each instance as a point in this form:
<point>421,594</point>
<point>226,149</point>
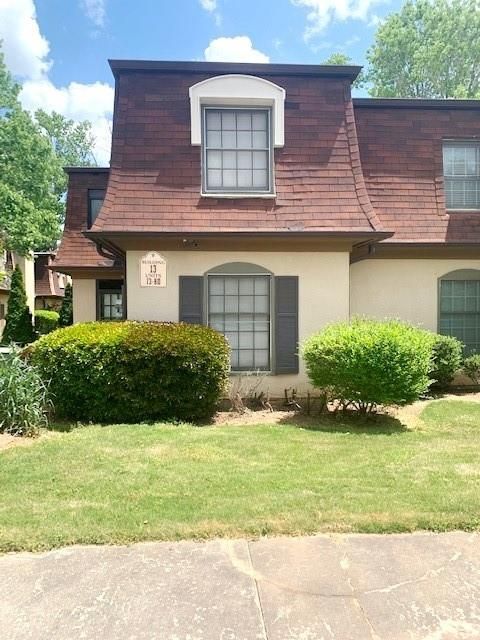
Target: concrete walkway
<point>347,587</point>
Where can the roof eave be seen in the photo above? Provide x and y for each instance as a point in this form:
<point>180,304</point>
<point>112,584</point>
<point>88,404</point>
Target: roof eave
<point>178,66</point>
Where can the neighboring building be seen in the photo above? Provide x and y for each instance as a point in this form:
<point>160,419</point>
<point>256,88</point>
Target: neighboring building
<point>8,261</point>
<point>262,200</point>
<point>49,284</point>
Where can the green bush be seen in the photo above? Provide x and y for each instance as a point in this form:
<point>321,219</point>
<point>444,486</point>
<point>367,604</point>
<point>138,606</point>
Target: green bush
<point>134,371</point>
<point>46,321</point>
<point>471,368</point>
<point>447,360</point>
<point>18,326</point>
<point>365,363</point>
<point>23,397</point>
<point>66,310</point>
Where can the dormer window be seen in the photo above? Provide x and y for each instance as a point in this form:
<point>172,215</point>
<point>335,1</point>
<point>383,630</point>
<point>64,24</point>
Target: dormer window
<point>238,120</point>
<point>237,150</point>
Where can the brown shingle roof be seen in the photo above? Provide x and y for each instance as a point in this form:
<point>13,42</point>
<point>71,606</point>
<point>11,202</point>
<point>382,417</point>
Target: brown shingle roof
<point>155,173</point>
<point>401,153</point>
<point>46,280</point>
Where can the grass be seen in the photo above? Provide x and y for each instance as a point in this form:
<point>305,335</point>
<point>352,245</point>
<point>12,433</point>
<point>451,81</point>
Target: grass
<point>120,484</point>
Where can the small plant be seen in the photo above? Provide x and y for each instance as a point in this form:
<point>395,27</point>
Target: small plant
<point>66,310</point>
<point>24,401</point>
<point>18,326</point>
<point>366,363</point>
<point>447,360</point>
<point>471,368</point>
<point>46,321</point>
<point>133,371</point>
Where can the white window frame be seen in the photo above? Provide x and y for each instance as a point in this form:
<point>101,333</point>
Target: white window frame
<point>460,143</point>
<point>238,192</point>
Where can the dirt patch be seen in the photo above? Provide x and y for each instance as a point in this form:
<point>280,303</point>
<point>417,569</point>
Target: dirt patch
<point>7,441</point>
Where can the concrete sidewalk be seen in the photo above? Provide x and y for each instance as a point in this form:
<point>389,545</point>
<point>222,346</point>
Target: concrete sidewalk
<point>350,587</point>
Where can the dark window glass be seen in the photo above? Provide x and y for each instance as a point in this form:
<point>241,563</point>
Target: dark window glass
<point>110,299</point>
<point>461,170</point>
<point>2,311</point>
<point>95,201</point>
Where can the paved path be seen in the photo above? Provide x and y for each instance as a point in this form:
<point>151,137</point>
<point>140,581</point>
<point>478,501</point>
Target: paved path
<point>346,587</point>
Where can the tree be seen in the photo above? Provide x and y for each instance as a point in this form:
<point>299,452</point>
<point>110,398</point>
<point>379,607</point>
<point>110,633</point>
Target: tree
<point>66,310</point>
<point>429,49</point>
<point>18,326</point>
<point>342,58</point>
<point>32,181</point>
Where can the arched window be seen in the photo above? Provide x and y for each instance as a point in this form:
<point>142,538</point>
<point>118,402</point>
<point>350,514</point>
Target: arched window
<point>459,307</point>
<point>239,306</point>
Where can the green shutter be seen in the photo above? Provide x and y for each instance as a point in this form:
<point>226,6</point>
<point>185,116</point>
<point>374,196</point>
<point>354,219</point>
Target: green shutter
<point>286,324</point>
<point>191,299</point>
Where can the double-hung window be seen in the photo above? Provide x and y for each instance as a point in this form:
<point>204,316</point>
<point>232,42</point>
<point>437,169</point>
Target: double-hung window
<point>461,170</point>
<point>460,309</point>
<point>237,151</point>
<point>239,307</point>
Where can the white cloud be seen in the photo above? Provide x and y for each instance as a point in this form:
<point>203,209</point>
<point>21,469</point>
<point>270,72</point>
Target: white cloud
<point>26,55</point>
<point>94,10</point>
<point>25,48</point>
<point>236,49</point>
<point>209,5</point>
<point>323,12</point>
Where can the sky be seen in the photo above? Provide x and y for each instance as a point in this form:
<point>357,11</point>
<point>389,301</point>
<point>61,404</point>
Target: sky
<point>58,49</point>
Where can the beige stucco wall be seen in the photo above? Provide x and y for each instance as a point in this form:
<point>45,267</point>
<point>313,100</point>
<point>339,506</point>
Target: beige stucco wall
<point>401,288</point>
<point>84,300</point>
<point>323,290</point>
<point>28,270</point>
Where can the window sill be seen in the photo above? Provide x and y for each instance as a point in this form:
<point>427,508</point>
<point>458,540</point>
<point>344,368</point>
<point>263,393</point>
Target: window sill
<point>463,210</point>
<point>237,196</point>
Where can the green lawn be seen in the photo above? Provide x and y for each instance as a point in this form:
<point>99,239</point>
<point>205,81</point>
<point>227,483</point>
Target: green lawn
<point>125,483</point>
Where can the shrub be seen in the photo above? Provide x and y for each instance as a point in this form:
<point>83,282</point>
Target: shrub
<point>66,310</point>
<point>364,363</point>
<point>46,321</point>
<point>23,397</point>
<point>447,360</point>
<point>134,371</point>
<point>18,325</point>
<point>471,368</point>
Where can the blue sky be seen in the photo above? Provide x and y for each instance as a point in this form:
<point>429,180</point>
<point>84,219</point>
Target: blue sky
<point>58,49</point>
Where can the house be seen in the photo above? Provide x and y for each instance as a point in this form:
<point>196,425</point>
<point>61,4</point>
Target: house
<point>49,284</point>
<point>262,200</point>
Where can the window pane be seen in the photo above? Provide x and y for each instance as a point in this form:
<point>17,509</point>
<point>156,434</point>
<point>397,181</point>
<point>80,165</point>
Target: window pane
<point>260,178</point>
<point>214,120</point>
<point>214,159</point>
<point>245,178</point>
<point>244,121</point>
<point>259,121</point>
<point>229,139</point>
<point>244,159</point>
<point>214,139</point>
<point>260,139</point>
<point>229,178</point>
<point>244,139</point>
<point>228,120</point>
<point>229,160</point>
<point>260,159</point>
<point>214,178</point>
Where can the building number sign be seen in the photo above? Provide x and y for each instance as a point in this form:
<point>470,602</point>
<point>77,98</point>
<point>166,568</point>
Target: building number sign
<point>153,270</point>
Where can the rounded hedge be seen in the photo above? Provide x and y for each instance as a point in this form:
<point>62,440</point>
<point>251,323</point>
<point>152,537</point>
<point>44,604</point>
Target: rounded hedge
<point>46,321</point>
<point>365,363</point>
<point>447,360</point>
<point>133,371</point>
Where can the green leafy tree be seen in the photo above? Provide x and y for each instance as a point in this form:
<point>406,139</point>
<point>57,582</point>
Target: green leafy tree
<point>66,310</point>
<point>33,152</point>
<point>342,58</point>
<point>429,49</point>
<point>18,326</point>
